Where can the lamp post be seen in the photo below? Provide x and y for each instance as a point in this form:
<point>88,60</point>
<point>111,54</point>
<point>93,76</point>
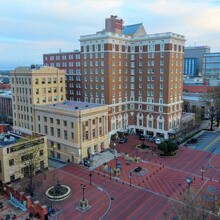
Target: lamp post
<point>83,187</point>
<point>90,178</point>
<point>202,170</point>
<point>115,148</point>
<point>130,177</point>
<point>188,180</point>
<point>116,162</point>
<point>213,203</point>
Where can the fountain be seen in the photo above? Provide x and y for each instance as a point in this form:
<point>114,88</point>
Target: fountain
<point>58,192</point>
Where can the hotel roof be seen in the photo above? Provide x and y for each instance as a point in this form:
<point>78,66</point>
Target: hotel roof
<point>131,29</point>
<point>74,106</point>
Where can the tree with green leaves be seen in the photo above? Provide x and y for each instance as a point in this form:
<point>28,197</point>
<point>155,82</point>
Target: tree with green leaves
<point>168,148</point>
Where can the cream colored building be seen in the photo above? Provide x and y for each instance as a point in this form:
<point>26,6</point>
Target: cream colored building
<point>18,154</point>
<point>34,86</point>
<point>74,129</point>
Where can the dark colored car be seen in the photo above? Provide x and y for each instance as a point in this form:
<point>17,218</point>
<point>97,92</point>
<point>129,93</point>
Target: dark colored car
<point>87,163</point>
<point>141,137</point>
<point>151,139</point>
<point>123,140</point>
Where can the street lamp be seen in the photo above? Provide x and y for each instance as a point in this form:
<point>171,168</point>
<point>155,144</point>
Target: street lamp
<point>130,177</point>
<point>202,170</point>
<point>90,178</point>
<point>116,162</point>
<point>213,204</point>
<point>83,187</point>
<point>115,148</point>
<point>188,180</point>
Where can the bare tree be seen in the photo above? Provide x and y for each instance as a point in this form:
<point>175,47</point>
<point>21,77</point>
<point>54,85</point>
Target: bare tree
<point>30,157</point>
<point>212,100</point>
<point>195,206</point>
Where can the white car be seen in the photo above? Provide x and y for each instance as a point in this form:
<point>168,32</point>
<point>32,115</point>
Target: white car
<point>157,141</point>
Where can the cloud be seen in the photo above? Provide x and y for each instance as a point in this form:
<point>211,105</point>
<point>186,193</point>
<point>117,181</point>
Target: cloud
<point>207,20</point>
<point>31,28</point>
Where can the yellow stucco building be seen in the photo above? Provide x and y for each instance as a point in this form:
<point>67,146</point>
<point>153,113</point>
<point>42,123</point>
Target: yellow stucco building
<point>74,129</point>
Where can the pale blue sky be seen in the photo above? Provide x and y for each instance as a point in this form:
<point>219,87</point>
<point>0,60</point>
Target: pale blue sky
<point>30,28</point>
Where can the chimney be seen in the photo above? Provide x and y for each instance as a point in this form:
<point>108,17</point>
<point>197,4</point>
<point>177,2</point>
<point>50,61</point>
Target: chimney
<point>114,24</point>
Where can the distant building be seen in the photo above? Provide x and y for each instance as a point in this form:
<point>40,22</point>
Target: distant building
<point>5,86</point>
<point>193,80</point>
<point>6,106</point>
<point>192,99</point>
<point>18,154</point>
<point>70,62</point>
<point>196,52</point>
<point>191,66</point>
<point>211,66</point>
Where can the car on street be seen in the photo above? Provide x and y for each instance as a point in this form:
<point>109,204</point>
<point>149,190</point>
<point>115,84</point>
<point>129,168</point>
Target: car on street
<point>157,141</point>
<point>123,140</point>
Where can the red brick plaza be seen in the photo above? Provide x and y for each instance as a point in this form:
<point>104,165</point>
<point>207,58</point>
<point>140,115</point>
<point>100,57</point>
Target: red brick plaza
<point>139,197</point>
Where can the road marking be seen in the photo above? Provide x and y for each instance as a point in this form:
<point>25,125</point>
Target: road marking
<point>213,142</point>
<point>100,188</point>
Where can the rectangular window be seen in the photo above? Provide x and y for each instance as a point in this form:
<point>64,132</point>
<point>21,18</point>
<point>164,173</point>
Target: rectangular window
<point>41,152</point>
<point>65,135</point>
<point>45,129</point>
<point>52,131</point>
<point>11,162</point>
<point>93,132</point>
<point>58,132</point>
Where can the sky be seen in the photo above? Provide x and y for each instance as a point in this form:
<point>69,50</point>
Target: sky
<point>31,28</point>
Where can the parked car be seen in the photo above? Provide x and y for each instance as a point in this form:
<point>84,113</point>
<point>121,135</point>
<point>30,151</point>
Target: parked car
<point>123,140</point>
<point>87,163</point>
<point>151,139</point>
<point>157,141</point>
<point>141,137</point>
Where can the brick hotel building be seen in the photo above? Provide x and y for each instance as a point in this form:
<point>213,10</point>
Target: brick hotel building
<point>70,62</point>
<point>138,75</point>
